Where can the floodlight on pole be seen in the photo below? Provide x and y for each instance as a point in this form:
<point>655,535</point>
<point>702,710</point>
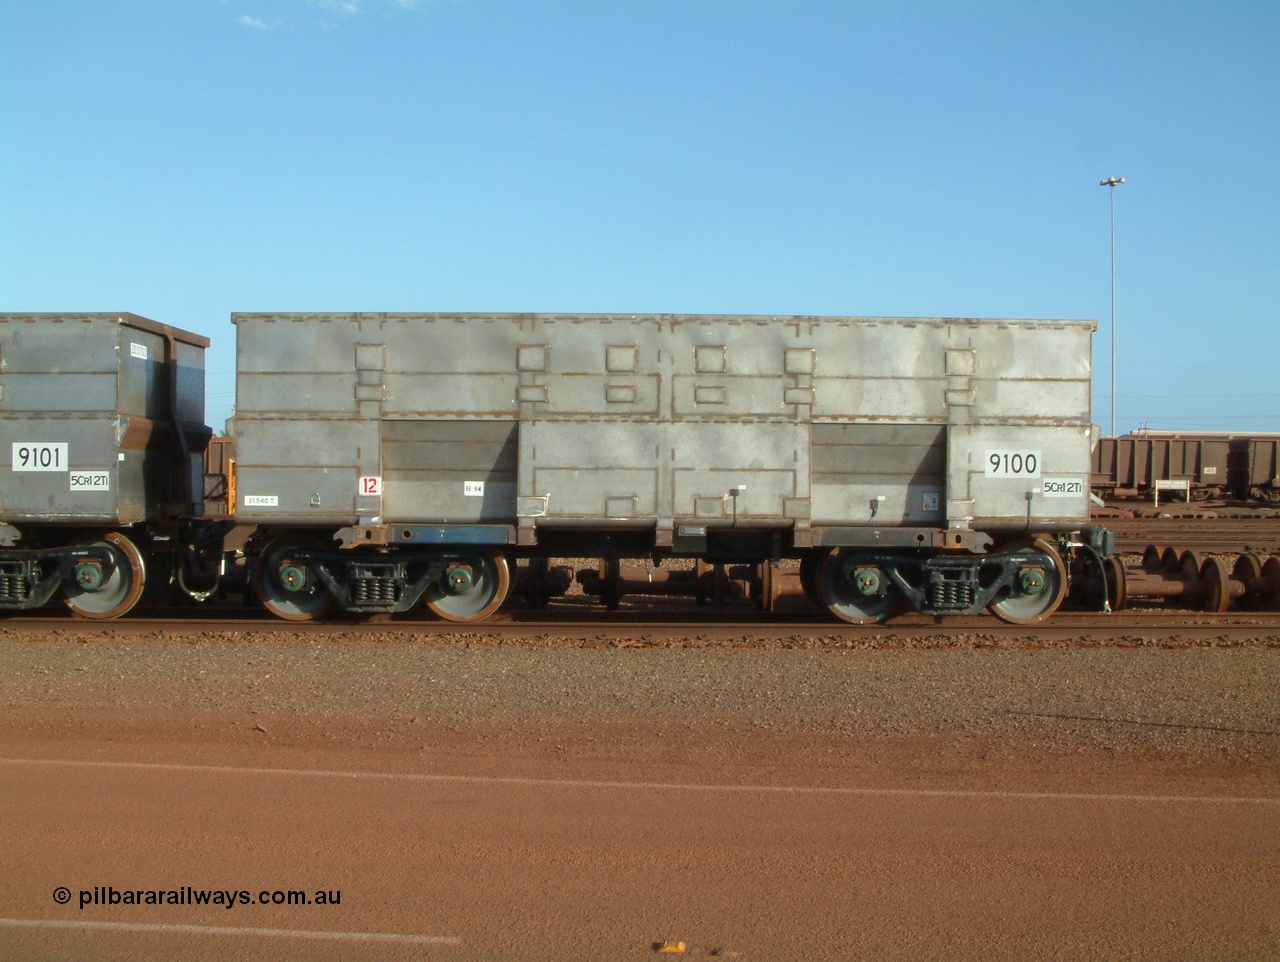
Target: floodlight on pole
<point>1113,182</point>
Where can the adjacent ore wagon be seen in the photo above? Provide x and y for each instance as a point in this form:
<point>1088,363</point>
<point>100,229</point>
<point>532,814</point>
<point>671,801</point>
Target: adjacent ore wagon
<point>102,434</point>
<point>1194,466</point>
<point>934,464</point>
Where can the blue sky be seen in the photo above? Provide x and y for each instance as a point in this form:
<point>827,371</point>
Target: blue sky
<point>184,160</point>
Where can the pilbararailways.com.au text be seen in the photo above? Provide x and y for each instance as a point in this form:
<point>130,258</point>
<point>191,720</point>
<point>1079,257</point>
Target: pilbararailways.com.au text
<point>189,895</point>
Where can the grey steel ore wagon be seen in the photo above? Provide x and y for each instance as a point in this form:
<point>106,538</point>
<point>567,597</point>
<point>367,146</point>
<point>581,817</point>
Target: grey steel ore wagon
<point>101,435</point>
<point>935,464</point>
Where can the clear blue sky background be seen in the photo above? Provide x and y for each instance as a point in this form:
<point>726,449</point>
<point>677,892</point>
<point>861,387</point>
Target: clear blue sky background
<point>184,160</point>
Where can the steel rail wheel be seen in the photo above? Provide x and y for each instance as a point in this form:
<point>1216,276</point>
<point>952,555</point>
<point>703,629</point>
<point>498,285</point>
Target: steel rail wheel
<point>858,594</point>
<point>472,590</point>
<point>1117,583</point>
<point>1215,582</point>
<point>809,565</point>
<point>1269,585</point>
<point>1036,594</point>
<point>287,587</point>
<point>101,596</point>
<point>1248,570</point>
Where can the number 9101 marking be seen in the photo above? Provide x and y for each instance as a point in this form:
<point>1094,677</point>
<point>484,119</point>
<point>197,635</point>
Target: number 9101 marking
<point>1012,464</point>
<point>39,456</point>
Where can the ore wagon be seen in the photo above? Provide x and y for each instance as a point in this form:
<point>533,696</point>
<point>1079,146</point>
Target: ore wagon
<point>1194,466</point>
<point>102,432</point>
<point>934,464</point>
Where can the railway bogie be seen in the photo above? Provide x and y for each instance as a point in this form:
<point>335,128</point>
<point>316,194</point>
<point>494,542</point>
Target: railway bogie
<point>298,577</point>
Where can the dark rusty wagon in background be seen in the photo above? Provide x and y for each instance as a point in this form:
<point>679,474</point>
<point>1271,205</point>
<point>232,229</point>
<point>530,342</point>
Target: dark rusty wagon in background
<point>1186,465</point>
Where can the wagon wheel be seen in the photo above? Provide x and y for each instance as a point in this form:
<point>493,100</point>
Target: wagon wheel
<point>1035,593</point>
<point>1117,583</point>
<point>472,590</point>
<point>1269,585</point>
<point>1248,570</point>
<point>1216,586</point>
<point>858,594</point>
<point>288,588</point>
<point>809,565</point>
<point>92,593</point>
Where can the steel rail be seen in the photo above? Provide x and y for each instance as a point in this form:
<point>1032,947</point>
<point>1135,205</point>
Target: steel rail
<point>638,628</point>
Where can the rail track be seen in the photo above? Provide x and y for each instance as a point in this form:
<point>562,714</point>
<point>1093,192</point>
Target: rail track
<point>683,626</point>
<point>1163,585</point>
<point>1207,532</point>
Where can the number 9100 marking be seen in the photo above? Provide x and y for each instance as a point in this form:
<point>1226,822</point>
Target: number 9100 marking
<point>1012,464</point>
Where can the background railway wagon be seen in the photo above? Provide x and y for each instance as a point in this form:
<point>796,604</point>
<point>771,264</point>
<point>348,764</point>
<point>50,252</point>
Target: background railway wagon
<point>1205,465</point>
<point>102,438</point>
<point>433,437</point>
<point>1263,463</point>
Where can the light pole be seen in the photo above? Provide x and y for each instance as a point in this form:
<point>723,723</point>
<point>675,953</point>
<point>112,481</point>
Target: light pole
<point>1113,182</point>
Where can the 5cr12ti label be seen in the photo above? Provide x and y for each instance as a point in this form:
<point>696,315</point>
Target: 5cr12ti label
<point>1063,487</point>
<point>90,480</point>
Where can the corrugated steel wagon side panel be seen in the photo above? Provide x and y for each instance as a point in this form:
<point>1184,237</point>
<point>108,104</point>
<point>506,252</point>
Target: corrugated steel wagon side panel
<point>97,408</point>
<point>651,419</point>
<point>1019,425</point>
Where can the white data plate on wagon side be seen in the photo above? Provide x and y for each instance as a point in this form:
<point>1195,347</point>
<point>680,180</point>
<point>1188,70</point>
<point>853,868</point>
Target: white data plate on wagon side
<point>40,456</point>
<point>1064,487</point>
<point>90,480</point>
<point>1011,464</point>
